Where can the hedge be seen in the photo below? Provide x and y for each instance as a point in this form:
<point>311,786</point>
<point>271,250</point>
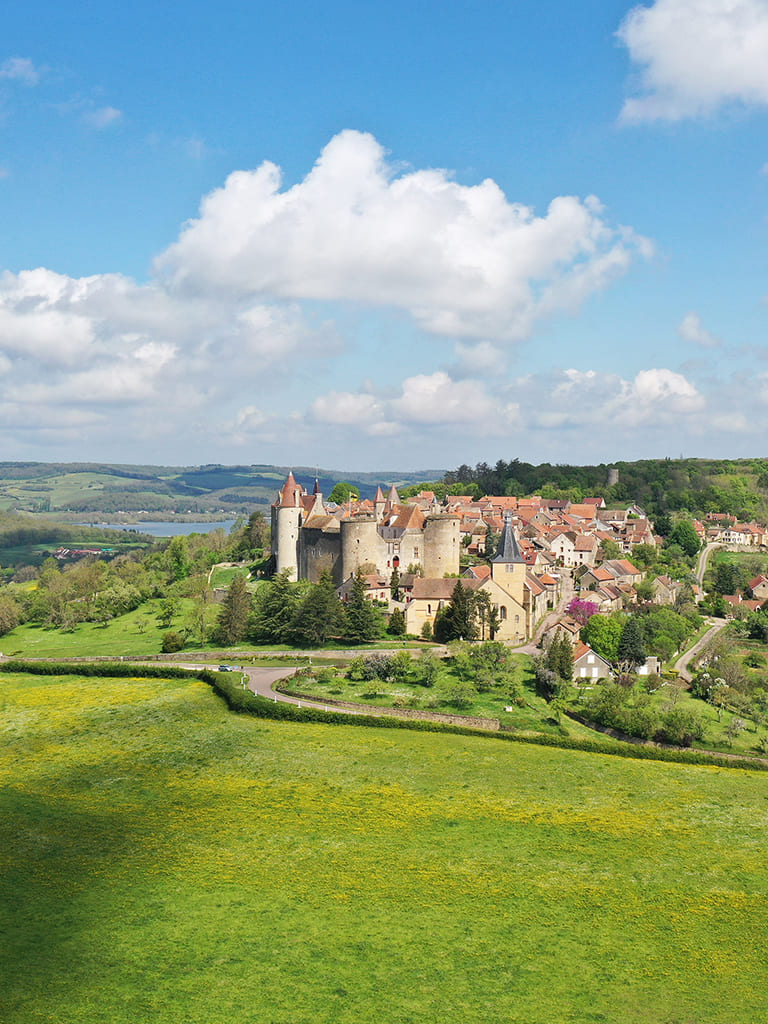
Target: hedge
<point>245,702</point>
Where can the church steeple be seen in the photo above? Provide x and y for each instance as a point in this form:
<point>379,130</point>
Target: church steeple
<point>509,549</point>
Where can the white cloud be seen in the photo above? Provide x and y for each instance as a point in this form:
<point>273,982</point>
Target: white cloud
<point>696,55</point>
<point>462,260</point>
<point>345,408</point>
<point>102,117</point>
<point>478,360</point>
<point>425,401</point>
<point>20,69</point>
<point>691,329</point>
<point>652,398</point>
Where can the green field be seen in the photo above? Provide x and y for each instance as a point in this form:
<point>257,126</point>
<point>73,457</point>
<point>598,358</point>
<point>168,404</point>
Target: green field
<point>166,860</point>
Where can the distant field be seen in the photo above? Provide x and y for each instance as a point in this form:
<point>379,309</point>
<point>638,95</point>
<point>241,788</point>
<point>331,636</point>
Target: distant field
<point>165,860</point>
<point>109,491</point>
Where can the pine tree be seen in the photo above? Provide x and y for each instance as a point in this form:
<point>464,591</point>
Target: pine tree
<point>320,614</point>
<point>275,609</point>
<point>235,612</point>
<point>363,622</point>
<point>631,647</point>
<point>394,584</point>
<point>396,625</point>
<point>456,621</point>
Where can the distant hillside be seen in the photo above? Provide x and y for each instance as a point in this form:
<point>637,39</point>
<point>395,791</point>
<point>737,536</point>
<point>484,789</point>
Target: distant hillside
<point>735,486</point>
<point>75,489</point>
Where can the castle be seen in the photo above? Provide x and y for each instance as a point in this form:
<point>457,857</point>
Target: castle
<point>419,539</point>
<point>376,536</point>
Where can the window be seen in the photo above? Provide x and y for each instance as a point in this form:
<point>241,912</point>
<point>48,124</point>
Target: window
<point>502,613</point>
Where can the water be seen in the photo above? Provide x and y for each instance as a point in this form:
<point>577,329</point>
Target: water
<point>171,529</point>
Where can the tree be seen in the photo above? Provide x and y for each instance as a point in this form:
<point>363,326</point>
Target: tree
<point>610,549</point>
<point>394,584</point>
<point>253,537</point>
<point>275,608</point>
<point>559,658</point>
<point>396,624</point>
<point>235,612</point>
<point>727,578</point>
<point>169,609</point>
<point>684,535</point>
<point>319,614</point>
<point>487,614</point>
<point>662,525</point>
<point>631,649</point>
<point>342,492</point>
<point>177,556</point>
<point>645,590</point>
<point>602,633</point>
<point>581,611</point>
<point>203,610</point>
<point>456,621</point>
<point>427,668</point>
<point>363,621</point>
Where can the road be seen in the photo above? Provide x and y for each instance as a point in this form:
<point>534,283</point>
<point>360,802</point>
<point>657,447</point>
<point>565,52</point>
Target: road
<point>567,595</point>
<point>685,659</point>
<point>701,564</point>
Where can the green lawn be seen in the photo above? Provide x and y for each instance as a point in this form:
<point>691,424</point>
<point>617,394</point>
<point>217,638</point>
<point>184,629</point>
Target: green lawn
<point>165,860</point>
<point>531,714</point>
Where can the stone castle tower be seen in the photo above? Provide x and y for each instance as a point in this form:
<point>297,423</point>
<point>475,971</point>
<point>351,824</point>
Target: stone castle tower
<point>384,534</point>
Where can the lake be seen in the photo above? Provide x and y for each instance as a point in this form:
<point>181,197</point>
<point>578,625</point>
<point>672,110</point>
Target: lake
<point>171,529</point>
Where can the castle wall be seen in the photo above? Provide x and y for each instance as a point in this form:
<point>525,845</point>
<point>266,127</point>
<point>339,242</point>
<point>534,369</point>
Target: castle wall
<point>320,550</point>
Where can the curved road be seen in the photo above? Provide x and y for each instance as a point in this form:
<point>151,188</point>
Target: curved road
<point>701,564</point>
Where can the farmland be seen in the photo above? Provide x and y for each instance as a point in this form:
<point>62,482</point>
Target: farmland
<point>168,860</point>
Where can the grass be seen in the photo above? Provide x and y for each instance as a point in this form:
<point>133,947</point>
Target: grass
<point>165,860</point>
<point>222,576</point>
<point>532,714</point>
<point>137,633</point>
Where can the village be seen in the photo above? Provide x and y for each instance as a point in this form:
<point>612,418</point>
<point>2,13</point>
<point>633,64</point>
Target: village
<point>526,557</point>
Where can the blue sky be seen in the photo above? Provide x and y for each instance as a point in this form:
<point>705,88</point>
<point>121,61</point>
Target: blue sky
<point>383,235</point>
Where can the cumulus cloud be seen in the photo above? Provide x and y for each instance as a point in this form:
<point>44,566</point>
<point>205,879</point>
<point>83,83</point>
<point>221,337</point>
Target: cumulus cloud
<point>20,69</point>
<point>696,55</point>
<point>425,401</point>
<point>105,342</point>
<point>651,398</point>
<point>464,261</point>
<point>691,329</point>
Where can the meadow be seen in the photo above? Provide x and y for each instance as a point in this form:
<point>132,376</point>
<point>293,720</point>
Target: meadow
<point>167,860</point>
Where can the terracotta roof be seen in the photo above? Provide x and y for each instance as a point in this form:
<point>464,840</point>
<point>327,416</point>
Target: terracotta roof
<point>478,572</point>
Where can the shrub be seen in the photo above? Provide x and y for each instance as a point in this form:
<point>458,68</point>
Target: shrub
<point>172,642</point>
